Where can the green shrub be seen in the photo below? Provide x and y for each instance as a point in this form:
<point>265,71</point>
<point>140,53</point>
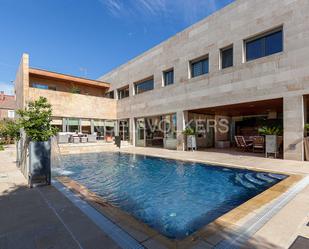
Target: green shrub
<point>1,147</point>
<point>36,120</point>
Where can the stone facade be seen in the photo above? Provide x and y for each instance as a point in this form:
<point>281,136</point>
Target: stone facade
<point>88,105</point>
<point>282,75</point>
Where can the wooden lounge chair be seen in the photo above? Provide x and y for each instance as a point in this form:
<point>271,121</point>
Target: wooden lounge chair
<point>258,143</point>
<point>242,144</point>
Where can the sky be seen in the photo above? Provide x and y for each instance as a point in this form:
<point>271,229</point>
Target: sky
<point>89,38</point>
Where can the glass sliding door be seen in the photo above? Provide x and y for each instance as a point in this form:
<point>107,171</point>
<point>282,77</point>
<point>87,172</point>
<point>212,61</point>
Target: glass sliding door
<point>124,130</point>
<point>170,131</point>
<point>109,130</point>
<point>154,131</point>
<point>73,125</point>
<point>140,132</point>
<point>99,129</point>
<point>86,126</point>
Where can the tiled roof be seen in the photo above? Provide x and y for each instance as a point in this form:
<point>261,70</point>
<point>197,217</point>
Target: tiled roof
<point>7,101</point>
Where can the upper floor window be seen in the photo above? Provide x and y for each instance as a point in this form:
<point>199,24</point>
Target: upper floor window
<point>43,86</point>
<point>143,86</point>
<point>109,95</point>
<point>123,92</point>
<point>227,57</point>
<point>264,45</point>
<point>168,77</point>
<point>199,67</point>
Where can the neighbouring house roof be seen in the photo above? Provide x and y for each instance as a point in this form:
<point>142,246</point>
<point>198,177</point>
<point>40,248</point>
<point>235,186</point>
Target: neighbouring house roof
<point>7,101</point>
<point>66,78</point>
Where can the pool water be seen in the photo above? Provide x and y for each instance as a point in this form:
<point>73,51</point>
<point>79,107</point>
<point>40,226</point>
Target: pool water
<point>174,197</point>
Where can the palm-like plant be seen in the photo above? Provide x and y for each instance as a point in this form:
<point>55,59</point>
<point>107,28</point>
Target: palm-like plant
<point>274,130</point>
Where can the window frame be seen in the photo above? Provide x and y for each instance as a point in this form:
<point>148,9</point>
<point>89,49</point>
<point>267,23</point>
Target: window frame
<point>222,50</point>
<point>135,84</point>
<point>171,70</point>
<point>195,61</point>
<point>126,87</point>
<point>261,36</point>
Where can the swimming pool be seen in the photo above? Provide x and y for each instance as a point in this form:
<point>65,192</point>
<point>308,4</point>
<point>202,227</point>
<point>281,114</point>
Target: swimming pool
<point>176,198</point>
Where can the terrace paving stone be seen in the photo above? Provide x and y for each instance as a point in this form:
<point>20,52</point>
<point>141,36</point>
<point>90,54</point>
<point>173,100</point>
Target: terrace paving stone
<point>35,218</point>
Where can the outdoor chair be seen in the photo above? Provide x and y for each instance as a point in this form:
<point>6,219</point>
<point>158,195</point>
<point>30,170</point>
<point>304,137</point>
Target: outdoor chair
<point>92,138</point>
<point>62,138</point>
<point>76,139</point>
<point>258,143</point>
<point>242,144</point>
<point>83,139</point>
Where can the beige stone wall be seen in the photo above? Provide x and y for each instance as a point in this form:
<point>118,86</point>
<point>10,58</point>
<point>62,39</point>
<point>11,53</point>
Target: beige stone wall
<point>77,105</point>
<point>22,82</point>
<point>281,75</point>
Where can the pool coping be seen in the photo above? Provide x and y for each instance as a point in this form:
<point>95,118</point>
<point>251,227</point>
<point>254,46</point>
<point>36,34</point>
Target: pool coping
<point>212,233</point>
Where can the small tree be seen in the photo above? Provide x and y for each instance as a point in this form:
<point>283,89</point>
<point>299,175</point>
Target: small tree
<point>9,130</point>
<point>36,120</point>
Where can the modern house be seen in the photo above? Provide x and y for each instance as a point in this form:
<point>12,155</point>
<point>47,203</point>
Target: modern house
<point>7,106</point>
<point>247,63</point>
<point>79,104</point>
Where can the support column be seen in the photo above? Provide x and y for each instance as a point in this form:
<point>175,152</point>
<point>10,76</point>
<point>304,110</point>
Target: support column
<point>182,120</point>
<point>132,130</point>
<point>92,126</point>
<point>293,125</point>
<point>64,124</point>
<point>116,128</point>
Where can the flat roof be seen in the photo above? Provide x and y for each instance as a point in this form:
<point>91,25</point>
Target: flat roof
<point>67,78</point>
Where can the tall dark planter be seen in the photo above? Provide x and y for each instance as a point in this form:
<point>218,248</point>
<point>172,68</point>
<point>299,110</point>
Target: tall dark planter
<point>39,162</point>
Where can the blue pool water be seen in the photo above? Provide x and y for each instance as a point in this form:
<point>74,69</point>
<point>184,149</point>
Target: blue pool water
<point>174,197</point>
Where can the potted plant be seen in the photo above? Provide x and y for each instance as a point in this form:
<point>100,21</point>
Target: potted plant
<point>190,133</point>
<point>35,120</point>
<point>271,138</point>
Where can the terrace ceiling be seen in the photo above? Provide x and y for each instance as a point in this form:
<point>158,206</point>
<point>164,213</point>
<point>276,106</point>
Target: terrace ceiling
<point>244,109</point>
<point>34,72</point>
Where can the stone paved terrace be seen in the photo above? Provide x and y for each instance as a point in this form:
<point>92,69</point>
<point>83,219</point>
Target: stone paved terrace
<point>41,218</point>
<point>44,218</point>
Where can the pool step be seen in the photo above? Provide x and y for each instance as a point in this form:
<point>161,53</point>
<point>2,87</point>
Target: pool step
<point>265,177</point>
<point>240,179</point>
<point>255,180</point>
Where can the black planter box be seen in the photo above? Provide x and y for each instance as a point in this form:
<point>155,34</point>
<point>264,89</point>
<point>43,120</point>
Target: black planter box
<point>39,163</point>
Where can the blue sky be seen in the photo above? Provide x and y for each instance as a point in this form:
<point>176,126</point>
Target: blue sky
<point>89,37</point>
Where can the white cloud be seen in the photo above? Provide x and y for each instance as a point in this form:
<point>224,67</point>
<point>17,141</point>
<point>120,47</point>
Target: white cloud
<point>188,9</point>
<point>8,88</point>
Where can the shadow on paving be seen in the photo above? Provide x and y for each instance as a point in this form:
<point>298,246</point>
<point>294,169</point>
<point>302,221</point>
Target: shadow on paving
<point>35,218</point>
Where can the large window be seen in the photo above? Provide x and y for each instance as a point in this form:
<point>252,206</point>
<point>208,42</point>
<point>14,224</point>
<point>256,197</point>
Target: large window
<point>226,57</point>
<point>109,95</point>
<point>144,86</point>
<point>168,77</point>
<point>268,44</point>
<point>123,92</point>
<point>43,86</point>
<point>199,67</point>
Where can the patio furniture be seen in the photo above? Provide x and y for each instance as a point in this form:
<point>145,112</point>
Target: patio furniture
<point>76,139</point>
<point>83,139</point>
<point>62,138</point>
<point>92,138</point>
<point>242,144</point>
<point>258,143</point>
<point>109,138</point>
